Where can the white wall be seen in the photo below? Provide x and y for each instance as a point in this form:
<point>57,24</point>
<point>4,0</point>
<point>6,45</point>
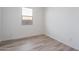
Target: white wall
<point>0,23</point>
<point>63,25</point>
<point>12,27</point>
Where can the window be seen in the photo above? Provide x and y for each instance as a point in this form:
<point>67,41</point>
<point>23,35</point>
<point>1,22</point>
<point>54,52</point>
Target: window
<point>27,16</point>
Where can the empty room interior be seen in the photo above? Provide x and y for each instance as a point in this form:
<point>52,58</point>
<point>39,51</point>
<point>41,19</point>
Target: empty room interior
<point>39,28</point>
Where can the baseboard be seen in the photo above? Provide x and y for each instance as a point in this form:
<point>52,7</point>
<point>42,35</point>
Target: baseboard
<point>25,37</point>
<point>31,36</point>
<point>62,42</point>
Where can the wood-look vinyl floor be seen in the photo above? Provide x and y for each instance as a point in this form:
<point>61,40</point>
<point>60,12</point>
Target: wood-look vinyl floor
<point>37,43</point>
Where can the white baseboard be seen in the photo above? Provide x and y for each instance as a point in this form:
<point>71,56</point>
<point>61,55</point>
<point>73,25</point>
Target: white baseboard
<point>62,41</point>
<point>21,37</point>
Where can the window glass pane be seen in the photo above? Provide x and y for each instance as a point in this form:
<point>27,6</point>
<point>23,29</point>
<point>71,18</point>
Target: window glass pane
<point>26,11</point>
<point>26,16</point>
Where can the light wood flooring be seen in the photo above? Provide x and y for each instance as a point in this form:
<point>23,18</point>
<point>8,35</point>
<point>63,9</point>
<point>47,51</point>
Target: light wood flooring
<point>37,43</point>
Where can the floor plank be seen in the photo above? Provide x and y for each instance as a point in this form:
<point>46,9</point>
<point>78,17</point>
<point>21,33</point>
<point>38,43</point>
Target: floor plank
<point>37,43</point>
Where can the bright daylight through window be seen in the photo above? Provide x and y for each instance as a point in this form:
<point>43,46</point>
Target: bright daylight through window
<point>26,16</point>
